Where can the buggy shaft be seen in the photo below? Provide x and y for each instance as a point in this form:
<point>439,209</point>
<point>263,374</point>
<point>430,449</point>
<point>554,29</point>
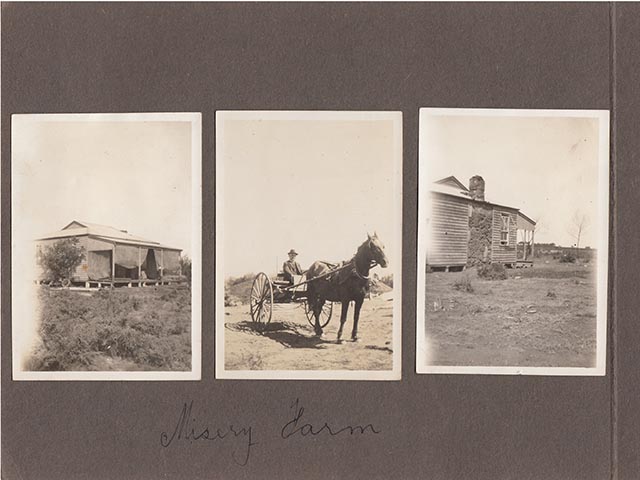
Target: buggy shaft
<point>373,264</point>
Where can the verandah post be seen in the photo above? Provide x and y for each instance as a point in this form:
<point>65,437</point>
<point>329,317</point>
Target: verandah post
<point>113,265</point>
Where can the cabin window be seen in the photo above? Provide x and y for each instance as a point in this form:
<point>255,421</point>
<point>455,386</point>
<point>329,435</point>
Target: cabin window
<point>504,230</point>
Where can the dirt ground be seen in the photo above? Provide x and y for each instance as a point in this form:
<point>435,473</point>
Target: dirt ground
<point>542,316</point>
<point>289,342</point>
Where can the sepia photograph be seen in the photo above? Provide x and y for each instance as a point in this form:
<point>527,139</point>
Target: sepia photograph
<point>513,241</point>
<point>308,245</point>
<point>106,246</point>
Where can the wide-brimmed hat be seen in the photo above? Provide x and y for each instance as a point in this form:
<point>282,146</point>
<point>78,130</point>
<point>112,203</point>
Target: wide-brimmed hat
<point>292,252</point>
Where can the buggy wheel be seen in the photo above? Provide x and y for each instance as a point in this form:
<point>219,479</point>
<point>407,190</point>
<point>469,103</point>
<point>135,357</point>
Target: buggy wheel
<point>261,300</point>
<point>325,314</point>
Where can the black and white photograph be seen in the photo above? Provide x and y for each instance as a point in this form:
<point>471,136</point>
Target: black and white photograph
<point>106,246</point>
<point>513,241</point>
<point>308,245</point>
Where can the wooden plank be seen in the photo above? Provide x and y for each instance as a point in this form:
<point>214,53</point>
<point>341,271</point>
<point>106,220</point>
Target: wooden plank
<point>449,232</point>
<point>449,226</point>
<point>448,253</point>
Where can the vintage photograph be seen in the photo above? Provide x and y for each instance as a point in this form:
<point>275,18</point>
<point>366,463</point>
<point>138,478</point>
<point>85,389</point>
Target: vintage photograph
<point>513,241</point>
<point>106,246</point>
<point>308,245</point>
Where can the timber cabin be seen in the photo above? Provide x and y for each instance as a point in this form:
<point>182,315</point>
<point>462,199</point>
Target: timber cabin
<point>115,257</point>
<point>465,230</point>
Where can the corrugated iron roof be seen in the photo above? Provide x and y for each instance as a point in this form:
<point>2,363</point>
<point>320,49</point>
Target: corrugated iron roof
<point>79,228</point>
<point>450,190</point>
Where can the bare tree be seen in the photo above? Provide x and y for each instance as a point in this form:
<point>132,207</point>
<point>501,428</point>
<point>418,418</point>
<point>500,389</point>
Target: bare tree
<point>540,225</point>
<point>538,228</point>
<point>579,224</point>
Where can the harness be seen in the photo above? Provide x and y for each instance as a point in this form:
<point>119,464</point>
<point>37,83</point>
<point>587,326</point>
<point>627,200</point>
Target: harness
<point>358,274</point>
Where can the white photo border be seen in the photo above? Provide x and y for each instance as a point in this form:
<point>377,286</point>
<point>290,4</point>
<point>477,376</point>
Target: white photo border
<point>195,119</point>
<point>422,366</point>
<point>220,371</point>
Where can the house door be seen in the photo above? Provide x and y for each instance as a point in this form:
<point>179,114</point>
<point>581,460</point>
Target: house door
<point>150,265</point>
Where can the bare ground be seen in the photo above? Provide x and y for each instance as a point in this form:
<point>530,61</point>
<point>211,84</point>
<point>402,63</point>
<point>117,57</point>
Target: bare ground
<point>289,343</point>
<point>543,316</point>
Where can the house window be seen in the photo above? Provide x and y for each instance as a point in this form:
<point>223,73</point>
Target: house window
<point>504,230</point>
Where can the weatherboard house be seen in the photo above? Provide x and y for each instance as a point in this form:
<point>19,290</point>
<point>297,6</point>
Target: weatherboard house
<point>465,229</point>
<point>115,256</point>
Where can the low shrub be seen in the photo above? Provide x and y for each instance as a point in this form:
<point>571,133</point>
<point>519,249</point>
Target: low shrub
<point>242,279</point>
<point>492,271</point>
<point>463,284</point>
<point>567,258</point>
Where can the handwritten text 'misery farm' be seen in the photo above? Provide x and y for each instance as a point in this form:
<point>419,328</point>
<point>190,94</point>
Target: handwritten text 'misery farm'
<point>188,430</point>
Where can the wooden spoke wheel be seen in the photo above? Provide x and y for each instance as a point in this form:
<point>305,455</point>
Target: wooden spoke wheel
<point>261,300</point>
<point>325,314</point>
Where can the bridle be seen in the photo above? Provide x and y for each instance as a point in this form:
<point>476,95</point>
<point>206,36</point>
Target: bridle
<point>372,264</point>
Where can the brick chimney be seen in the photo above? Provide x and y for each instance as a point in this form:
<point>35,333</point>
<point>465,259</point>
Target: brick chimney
<point>476,188</point>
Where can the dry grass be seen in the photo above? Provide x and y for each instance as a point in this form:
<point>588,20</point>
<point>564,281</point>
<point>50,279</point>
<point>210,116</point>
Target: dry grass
<point>542,316</point>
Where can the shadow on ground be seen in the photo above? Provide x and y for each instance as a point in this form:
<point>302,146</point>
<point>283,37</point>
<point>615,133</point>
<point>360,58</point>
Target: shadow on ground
<point>288,334</point>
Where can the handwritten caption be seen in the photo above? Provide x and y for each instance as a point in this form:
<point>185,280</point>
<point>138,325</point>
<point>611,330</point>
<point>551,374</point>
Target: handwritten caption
<point>189,429</point>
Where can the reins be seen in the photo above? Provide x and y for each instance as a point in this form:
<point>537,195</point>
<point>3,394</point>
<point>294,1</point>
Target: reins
<point>333,271</point>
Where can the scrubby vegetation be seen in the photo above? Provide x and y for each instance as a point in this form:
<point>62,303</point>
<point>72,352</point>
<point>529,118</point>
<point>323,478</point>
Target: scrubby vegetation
<point>463,284</point>
<point>492,271</point>
<point>185,267</point>
<point>128,329</point>
<point>567,258</point>
<point>238,289</point>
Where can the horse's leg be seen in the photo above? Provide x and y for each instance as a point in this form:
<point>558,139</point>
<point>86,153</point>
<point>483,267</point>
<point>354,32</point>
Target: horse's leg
<point>356,317</point>
<point>343,318</point>
<point>317,310</point>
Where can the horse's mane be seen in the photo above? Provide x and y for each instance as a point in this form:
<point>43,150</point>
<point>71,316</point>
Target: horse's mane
<point>359,249</point>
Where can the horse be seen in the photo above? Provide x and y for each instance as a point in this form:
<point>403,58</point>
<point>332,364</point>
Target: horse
<point>350,282</point>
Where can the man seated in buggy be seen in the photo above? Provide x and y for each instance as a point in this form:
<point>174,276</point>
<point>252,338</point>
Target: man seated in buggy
<point>290,275</point>
<point>291,268</point>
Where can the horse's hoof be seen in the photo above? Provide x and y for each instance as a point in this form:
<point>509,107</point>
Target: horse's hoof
<point>355,339</point>
<point>319,334</point>
<point>339,341</point>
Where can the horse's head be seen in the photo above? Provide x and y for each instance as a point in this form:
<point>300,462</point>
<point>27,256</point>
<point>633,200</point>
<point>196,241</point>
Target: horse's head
<point>376,249</point>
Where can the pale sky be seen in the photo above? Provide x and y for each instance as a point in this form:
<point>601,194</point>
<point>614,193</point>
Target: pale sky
<point>546,166</point>
<point>315,185</point>
<point>133,176</point>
